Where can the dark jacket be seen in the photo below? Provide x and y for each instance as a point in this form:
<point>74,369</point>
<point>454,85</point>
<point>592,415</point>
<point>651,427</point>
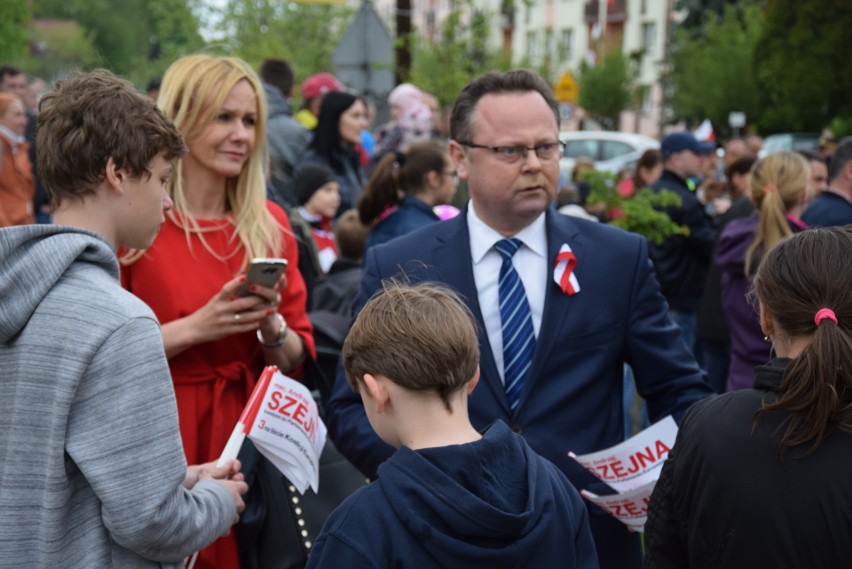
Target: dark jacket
<point>681,262</point>
<point>724,499</point>
<point>287,140</point>
<point>411,214</point>
<point>748,348</point>
<point>828,210</point>
<point>490,503</point>
<point>336,291</point>
<point>710,321</point>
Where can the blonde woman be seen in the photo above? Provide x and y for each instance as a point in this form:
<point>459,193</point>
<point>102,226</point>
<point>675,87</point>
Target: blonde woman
<point>778,191</point>
<point>217,342</point>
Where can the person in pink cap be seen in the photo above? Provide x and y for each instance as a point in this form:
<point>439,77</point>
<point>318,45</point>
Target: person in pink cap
<point>314,89</point>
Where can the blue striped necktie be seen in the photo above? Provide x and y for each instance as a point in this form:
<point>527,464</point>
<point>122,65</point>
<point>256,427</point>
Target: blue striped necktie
<point>516,320</point>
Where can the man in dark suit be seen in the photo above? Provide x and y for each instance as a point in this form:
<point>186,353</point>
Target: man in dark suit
<point>588,317</point>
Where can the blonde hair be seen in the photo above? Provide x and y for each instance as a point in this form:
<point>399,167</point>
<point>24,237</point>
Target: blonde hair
<point>778,182</point>
<point>193,90</point>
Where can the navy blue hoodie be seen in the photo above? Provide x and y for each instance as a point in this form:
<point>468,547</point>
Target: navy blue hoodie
<point>490,503</point>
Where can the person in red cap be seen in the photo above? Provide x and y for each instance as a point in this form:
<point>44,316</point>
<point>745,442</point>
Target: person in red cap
<point>314,89</point>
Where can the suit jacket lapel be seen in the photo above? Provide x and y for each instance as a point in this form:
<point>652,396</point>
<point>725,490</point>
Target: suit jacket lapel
<point>557,304</point>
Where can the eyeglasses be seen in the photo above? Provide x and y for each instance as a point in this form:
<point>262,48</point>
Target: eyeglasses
<point>452,174</point>
<point>511,154</point>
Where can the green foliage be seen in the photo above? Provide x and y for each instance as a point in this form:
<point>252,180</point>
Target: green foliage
<point>803,72</point>
<point>698,12</point>
<point>63,46</point>
<point>304,34</point>
<point>14,18</point>
<point>641,213</point>
<point>606,88</point>
<point>460,53</point>
<point>712,72</point>
<point>841,127</point>
<point>136,39</point>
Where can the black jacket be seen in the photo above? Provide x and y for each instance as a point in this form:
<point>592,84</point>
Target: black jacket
<point>681,262</point>
<point>725,499</point>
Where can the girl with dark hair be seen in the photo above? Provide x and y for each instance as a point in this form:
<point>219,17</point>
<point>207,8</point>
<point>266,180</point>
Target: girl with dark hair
<point>778,191</point>
<point>342,117</point>
<point>758,478</point>
<point>403,190</point>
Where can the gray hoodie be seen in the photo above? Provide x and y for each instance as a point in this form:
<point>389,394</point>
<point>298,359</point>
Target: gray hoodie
<point>287,140</point>
<point>91,462</point>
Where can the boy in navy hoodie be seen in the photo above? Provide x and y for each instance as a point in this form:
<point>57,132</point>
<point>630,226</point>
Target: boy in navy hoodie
<point>450,496</point>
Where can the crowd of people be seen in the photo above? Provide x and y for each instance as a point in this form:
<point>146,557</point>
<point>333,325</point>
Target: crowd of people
<point>481,345</point>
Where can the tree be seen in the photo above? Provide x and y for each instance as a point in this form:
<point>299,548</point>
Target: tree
<point>712,73</point>
<point>606,87</point>
<point>304,34</point>
<point>803,72</point>
<point>460,53</point>
<point>59,45</point>
<point>699,11</point>
<point>14,18</point>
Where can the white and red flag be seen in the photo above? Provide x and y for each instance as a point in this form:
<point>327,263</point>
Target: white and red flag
<point>282,420</point>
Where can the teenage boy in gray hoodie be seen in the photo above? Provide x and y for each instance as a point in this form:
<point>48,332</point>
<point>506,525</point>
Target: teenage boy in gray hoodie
<point>92,472</point>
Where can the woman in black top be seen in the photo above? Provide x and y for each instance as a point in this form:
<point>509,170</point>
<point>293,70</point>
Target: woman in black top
<point>759,477</point>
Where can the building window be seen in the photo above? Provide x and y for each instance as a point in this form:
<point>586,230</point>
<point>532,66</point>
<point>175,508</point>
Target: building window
<point>649,37</point>
<point>646,101</point>
<point>532,46</point>
<point>566,44</point>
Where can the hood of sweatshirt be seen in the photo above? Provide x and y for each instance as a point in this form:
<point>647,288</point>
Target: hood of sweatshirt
<point>33,258</point>
<point>275,102</point>
<point>473,500</point>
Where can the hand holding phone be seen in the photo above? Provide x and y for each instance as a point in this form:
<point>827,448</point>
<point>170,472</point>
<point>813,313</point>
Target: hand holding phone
<point>263,272</point>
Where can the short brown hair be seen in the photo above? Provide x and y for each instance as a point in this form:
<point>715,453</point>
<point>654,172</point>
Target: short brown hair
<point>422,337</point>
<point>351,235</point>
<point>90,118</point>
<point>494,83</point>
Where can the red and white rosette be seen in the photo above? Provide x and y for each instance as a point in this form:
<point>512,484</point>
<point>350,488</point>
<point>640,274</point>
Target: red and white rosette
<point>563,271</point>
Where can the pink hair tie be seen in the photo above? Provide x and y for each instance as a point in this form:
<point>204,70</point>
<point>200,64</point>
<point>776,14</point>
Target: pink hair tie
<point>824,313</point>
<point>770,188</point>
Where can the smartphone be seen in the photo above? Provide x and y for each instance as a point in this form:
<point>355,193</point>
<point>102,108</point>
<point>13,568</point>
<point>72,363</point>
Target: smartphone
<point>263,272</point>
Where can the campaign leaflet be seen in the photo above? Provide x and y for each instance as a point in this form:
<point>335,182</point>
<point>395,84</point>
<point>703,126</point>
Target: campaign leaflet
<point>289,432</point>
<point>282,419</point>
<point>630,468</point>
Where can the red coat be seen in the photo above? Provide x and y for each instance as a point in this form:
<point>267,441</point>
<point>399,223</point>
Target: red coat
<point>213,380</point>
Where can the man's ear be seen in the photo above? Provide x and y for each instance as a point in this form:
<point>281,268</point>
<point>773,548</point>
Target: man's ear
<point>115,177</point>
<point>459,157</point>
<point>767,323</point>
<point>377,390</point>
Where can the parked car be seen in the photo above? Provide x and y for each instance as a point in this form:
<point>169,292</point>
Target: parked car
<point>611,151</point>
<point>789,141</point>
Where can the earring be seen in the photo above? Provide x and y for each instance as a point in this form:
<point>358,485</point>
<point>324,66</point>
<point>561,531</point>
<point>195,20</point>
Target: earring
<point>766,339</point>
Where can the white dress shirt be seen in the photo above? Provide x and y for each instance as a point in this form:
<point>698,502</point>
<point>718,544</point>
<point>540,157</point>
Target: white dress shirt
<point>530,263</point>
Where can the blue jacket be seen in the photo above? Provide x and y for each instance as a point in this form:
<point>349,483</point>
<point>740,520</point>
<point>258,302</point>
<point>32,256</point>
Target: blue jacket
<point>410,214</point>
<point>490,503</point>
<point>828,210</point>
<point>572,400</point>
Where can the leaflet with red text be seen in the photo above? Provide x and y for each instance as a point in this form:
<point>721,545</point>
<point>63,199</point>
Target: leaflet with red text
<point>289,432</point>
<point>630,468</point>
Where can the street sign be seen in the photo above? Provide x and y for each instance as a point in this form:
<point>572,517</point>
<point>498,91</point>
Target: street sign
<point>736,120</point>
<point>364,58</point>
<point>566,89</point>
